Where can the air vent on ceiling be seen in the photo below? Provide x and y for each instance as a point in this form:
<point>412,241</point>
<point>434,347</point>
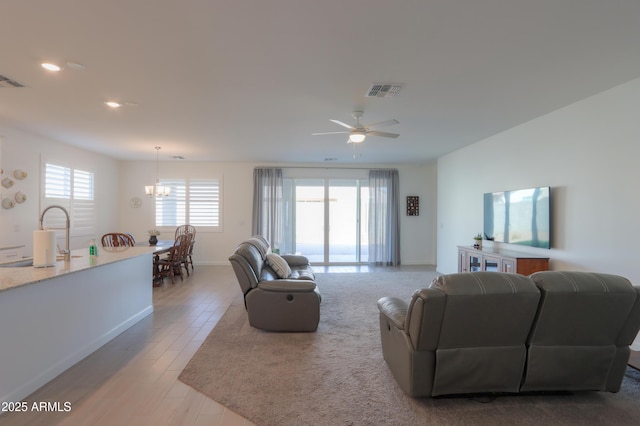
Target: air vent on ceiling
<point>6,82</point>
<point>383,90</point>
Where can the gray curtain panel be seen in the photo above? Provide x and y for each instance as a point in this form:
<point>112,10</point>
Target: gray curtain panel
<point>267,204</point>
<point>384,224</point>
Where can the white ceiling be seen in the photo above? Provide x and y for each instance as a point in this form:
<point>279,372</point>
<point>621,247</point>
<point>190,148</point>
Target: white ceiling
<point>251,80</point>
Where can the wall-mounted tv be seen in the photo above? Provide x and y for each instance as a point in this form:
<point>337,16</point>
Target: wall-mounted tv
<point>520,217</point>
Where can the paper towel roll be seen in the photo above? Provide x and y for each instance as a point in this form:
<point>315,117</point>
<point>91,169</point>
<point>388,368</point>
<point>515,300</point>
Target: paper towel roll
<point>44,248</point>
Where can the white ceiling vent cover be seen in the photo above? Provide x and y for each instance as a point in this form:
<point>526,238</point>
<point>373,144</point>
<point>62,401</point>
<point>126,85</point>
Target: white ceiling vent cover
<point>383,90</point>
<point>6,82</point>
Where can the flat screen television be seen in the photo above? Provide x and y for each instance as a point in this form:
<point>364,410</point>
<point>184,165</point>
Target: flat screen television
<point>520,217</point>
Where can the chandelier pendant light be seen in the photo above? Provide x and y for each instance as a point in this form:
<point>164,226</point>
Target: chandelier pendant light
<point>158,190</point>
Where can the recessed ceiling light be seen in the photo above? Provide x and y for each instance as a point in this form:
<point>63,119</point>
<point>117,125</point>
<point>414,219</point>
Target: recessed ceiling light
<point>113,104</point>
<point>50,67</point>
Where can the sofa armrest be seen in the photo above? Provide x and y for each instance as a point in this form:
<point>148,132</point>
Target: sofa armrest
<point>295,260</point>
<point>285,286</point>
<point>394,309</point>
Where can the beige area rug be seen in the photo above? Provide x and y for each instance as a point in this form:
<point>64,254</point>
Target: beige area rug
<point>337,376</point>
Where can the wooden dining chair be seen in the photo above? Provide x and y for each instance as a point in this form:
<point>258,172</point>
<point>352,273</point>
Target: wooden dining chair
<point>185,229</point>
<point>117,239</point>
<point>188,258</point>
<point>171,265</point>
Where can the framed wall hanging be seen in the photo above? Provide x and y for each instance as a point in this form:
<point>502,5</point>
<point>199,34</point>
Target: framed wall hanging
<point>413,205</point>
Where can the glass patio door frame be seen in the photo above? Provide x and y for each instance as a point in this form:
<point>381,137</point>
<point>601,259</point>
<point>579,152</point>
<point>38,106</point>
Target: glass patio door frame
<point>359,183</point>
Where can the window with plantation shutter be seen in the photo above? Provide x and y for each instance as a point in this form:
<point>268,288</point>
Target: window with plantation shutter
<point>195,202</point>
<point>84,213</point>
<point>74,190</point>
<point>57,182</point>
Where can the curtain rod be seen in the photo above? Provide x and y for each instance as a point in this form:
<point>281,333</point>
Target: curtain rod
<point>327,168</point>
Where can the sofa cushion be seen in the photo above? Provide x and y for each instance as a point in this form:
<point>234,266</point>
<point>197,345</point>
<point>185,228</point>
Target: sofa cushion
<point>279,265</point>
<point>302,273</point>
<point>287,286</point>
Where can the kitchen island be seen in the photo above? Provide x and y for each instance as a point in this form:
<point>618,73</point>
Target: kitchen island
<point>51,318</point>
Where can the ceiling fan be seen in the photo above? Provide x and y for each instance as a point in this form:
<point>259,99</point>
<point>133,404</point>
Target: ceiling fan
<point>359,132</point>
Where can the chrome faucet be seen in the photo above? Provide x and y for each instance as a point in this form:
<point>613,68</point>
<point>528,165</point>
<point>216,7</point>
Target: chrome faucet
<point>66,252</point>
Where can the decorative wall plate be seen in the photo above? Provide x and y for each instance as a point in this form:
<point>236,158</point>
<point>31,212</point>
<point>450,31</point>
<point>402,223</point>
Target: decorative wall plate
<point>20,197</point>
<point>7,182</point>
<point>19,174</point>
<point>8,203</point>
<point>135,202</point>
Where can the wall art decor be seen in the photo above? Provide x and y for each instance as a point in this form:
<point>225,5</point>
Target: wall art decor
<point>7,182</point>
<point>19,174</point>
<point>413,205</point>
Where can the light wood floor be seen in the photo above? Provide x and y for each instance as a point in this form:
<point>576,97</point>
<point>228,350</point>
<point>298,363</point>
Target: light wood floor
<point>133,379</point>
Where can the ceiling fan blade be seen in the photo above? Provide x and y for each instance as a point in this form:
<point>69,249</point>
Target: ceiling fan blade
<point>384,134</point>
<point>327,133</point>
<point>342,124</point>
<point>383,123</point>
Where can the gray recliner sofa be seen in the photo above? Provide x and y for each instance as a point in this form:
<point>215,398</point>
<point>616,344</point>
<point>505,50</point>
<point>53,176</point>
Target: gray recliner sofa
<point>582,332</point>
<point>494,332</point>
<point>274,303</point>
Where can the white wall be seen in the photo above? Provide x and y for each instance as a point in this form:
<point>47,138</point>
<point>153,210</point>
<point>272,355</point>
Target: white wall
<point>118,181</point>
<point>418,233</point>
<point>587,152</point>
<point>211,248</point>
<point>22,150</point>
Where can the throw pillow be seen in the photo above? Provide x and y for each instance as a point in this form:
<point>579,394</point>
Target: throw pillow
<point>279,265</point>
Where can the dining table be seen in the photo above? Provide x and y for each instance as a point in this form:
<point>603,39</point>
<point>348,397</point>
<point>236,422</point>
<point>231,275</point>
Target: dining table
<point>160,248</point>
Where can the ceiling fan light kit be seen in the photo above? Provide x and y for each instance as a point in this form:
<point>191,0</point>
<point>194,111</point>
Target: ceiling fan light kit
<point>356,136</point>
<point>359,132</point>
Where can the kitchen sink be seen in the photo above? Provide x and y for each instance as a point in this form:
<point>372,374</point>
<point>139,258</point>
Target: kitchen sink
<point>62,257</point>
<point>17,263</point>
<point>28,261</point>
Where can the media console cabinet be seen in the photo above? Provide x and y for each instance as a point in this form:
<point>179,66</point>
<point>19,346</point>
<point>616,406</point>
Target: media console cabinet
<point>492,259</point>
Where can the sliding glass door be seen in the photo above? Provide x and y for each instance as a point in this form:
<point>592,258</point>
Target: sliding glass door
<point>309,211</point>
<point>327,220</point>
<point>346,233</point>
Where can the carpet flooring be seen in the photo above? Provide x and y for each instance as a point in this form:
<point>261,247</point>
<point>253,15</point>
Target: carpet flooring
<point>337,376</point>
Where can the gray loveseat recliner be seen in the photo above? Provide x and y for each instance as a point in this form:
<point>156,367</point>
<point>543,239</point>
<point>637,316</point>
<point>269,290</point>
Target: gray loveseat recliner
<point>495,332</point>
<point>274,303</point>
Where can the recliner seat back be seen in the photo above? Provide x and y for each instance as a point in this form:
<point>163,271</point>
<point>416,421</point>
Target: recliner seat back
<point>581,335</point>
<point>480,335</point>
<point>247,263</point>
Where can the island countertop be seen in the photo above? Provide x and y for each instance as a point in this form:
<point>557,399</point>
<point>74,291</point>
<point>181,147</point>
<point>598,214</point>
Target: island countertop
<point>61,314</point>
<point>12,277</point>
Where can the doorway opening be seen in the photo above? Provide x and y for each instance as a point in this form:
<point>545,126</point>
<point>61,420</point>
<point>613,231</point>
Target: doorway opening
<point>326,220</point>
